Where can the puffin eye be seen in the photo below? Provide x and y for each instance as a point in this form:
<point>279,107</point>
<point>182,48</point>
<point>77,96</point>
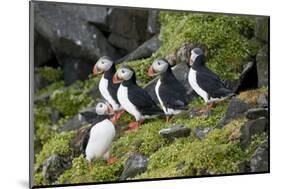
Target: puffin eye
<point>101,105</point>
<point>102,62</point>
<point>158,63</point>
<point>122,71</point>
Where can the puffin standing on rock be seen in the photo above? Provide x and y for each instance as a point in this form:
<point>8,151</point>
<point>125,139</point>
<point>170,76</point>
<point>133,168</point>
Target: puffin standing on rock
<point>107,88</point>
<point>133,98</point>
<point>169,91</point>
<point>100,136</point>
<point>204,82</point>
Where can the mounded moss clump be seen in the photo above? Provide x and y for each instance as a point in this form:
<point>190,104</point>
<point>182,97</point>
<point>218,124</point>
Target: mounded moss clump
<point>50,74</point>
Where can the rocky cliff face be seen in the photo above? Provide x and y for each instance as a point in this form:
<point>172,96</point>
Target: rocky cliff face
<point>232,138</point>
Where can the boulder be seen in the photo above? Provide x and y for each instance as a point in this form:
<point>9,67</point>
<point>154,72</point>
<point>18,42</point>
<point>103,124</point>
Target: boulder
<point>235,109</point>
<point>143,51</point>
<point>136,164</point>
<point>262,66</point>
<point>261,30</point>
<point>255,113</point>
<point>39,82</point>
<point>260,159</point>
<point>263,101</point>
<point>202,132</point>
<point>248,78</point>
<point>250,129</point>
<point>73,124</point>
<point>153,24</point>
<point>127,44</point>
<point>54,166</point>
<point>175,132</point>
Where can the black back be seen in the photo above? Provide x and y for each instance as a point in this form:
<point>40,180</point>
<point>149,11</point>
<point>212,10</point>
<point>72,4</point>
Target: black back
<point>112,87</point>
<point>171,91</point>
<point>208,80</point>
<point>140,98</point>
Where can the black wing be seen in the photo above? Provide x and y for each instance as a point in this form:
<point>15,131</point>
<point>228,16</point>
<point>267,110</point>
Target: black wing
<point>211,83</point>
<point>173,95</point>
<point>143,102</point>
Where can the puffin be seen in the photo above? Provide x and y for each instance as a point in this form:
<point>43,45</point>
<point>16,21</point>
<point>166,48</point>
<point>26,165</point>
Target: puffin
<point>169,91</point>
<point>107,88</point>
<point>205,82</point>
<point>134,99</point>
<point>100,135</point>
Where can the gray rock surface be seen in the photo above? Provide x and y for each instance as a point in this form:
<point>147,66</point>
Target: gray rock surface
<point>175,132</point>
<point>260,159</point>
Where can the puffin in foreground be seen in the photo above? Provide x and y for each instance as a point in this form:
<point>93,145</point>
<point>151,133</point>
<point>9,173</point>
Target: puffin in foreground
<point>133,98</point>
<point>100,136</point>
<point>169,91</point>
<point>205,82</point>
<point>107,88</point>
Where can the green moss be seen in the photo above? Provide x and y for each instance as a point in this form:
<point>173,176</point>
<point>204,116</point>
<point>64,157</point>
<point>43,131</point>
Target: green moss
<point>50,88</point>
<point>70,100</point>
<point>39,180</point>
<point>59,144</point>
<point>50,74</point>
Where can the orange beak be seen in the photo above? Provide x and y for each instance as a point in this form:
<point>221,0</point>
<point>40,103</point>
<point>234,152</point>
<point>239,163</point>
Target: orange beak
<point>95,70</point>
<point>110,109</point>
<point>115,79</point>
<point>150,72</point>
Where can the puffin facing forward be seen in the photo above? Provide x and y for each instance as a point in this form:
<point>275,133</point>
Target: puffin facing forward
<point>100,136</point>
<point>107,88</point>
<point>133,98</point>
<point>168,89</point>
<point>203,81</point>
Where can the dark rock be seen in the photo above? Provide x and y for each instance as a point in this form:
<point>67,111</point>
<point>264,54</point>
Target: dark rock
<point>54,166</point>
<point>244,167</point>
<point>89,114</point>
<point>248,78</point>
<point>39,82</point>
<point>91,14</point>
<point>42,98</point>
<point>235,109</point>
<point>261,30</point>
<point>143,51</point>
<point>263,101</point>
<point>181,72</point>
<point>121,42</point>
<point>42,50</point>
<point>193,112</point>
<point>55,116</point>
<point>202,132</point>
<point>262,66</point>
<point>250,129</point>
<point>153,25</point>
<point>175,132</point>
<point>136,164</point>
<point>231,84</point>
<point>75,69</point>
<point>73,124</point>
<point>260,159</point>
<point>255,113</point>
<point>129,23</point>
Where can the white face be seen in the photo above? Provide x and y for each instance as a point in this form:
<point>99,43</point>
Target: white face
<point>103,64</point>
<point>124,73</point>
<point>103,108</point>
<point>159,66</point>
<point>194,54</point>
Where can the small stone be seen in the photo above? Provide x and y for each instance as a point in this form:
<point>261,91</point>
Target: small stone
<point>175,132</point>
<point>135,165</point>
<point>235,109</point>
<point>255,113</point>
<point>202,132</point>
<point>73,124</point>
<point>54,166</point>
<point>180,166</point>
<point>55,116</point>
<point>251,128</point>
<point>260,159</point>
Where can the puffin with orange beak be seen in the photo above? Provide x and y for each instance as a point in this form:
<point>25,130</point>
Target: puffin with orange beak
<point>133,98</point>
<point>100,136</point>
<point>169,91</point>
<point>107,88</point>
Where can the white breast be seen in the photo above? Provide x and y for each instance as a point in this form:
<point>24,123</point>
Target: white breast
<point>168,111</point>
<point>101,137</point>
<point>193,82</point>
<point>122,96</point>
<point>103,87</point>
